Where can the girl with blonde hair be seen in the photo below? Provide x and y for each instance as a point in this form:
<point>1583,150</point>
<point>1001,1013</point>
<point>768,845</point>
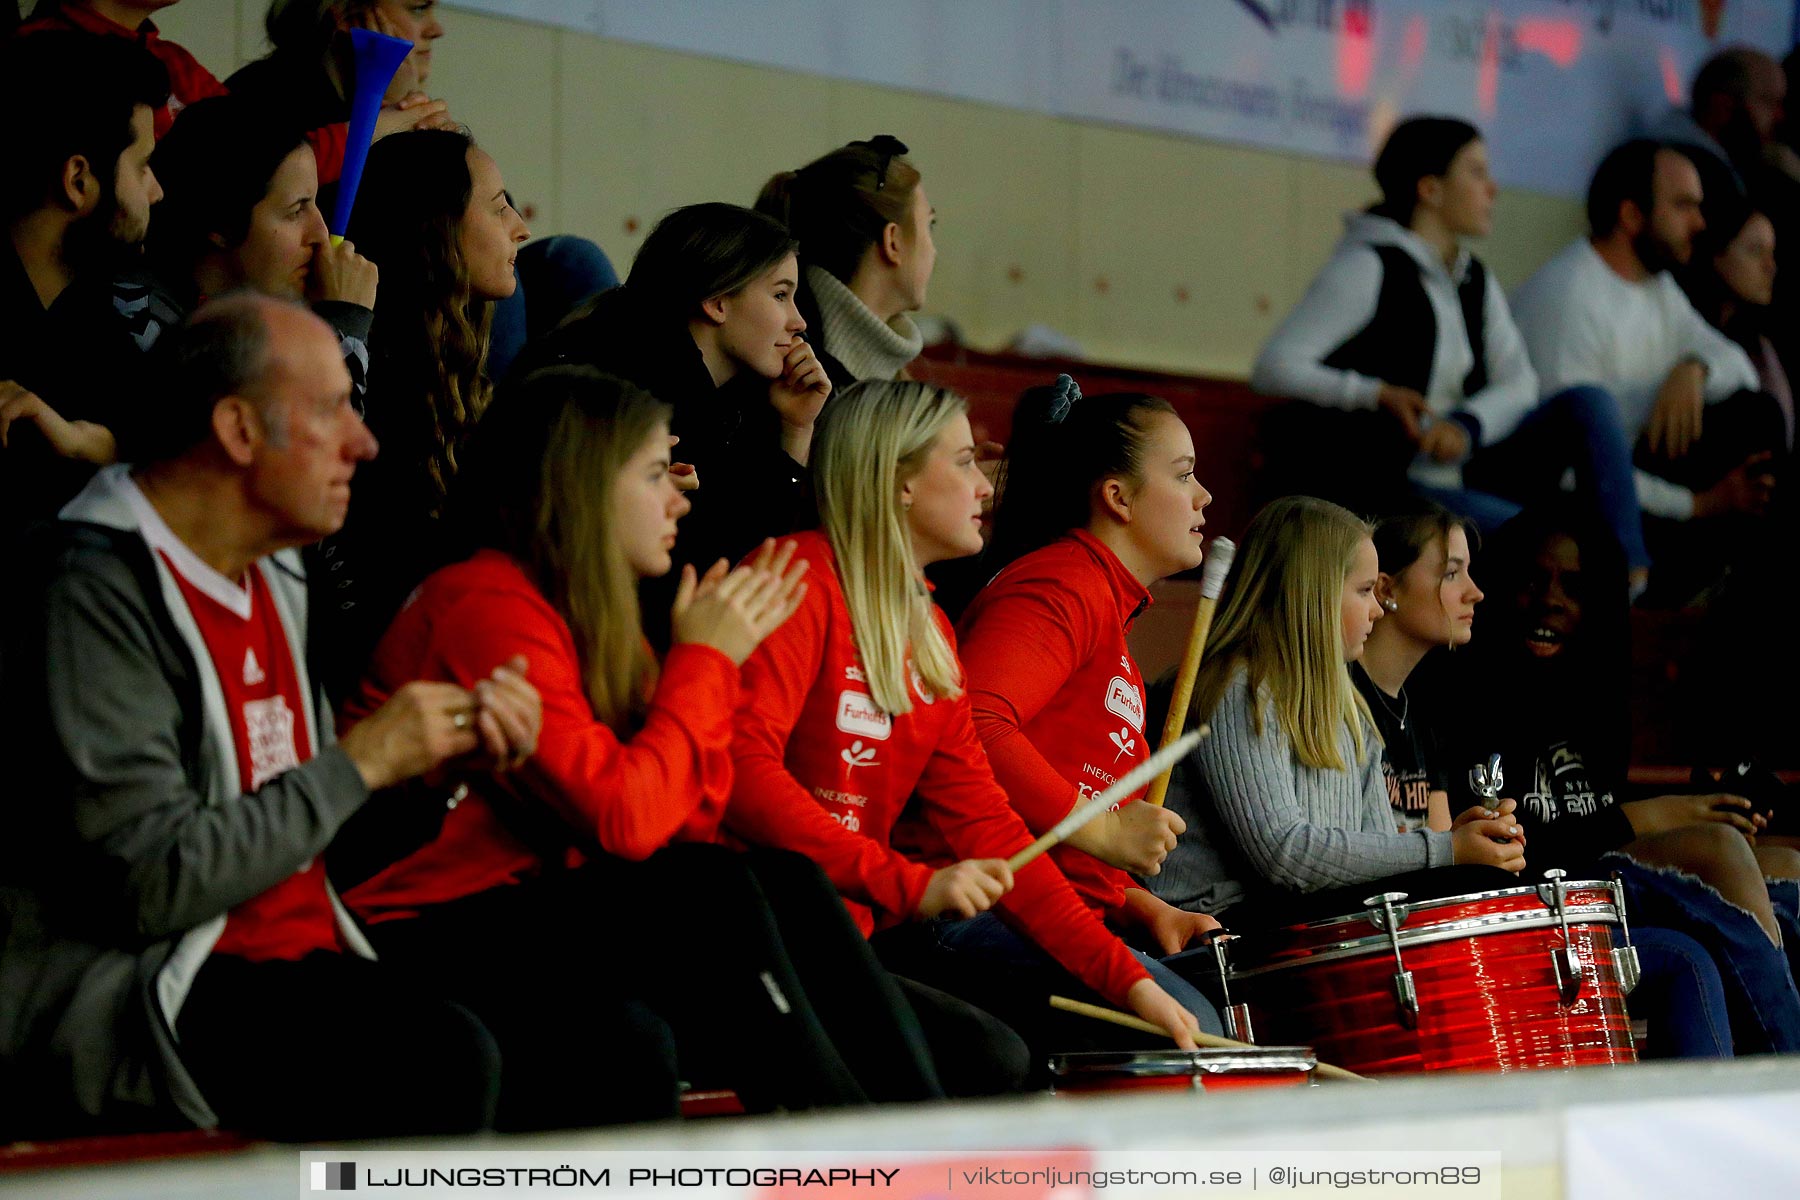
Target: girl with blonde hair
<point>567,502</point>
<point>858,705</point>
<point>1286,797</point>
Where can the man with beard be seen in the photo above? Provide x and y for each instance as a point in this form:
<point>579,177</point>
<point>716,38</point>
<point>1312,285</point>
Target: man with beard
<point>1606,312</point>
<point>75,195</point>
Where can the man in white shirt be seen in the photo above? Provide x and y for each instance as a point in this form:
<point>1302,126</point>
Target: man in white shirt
<point>1605,312</point>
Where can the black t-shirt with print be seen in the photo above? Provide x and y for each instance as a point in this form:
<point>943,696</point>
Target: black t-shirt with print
<point>1570,817</point>
<point>1409,759</point>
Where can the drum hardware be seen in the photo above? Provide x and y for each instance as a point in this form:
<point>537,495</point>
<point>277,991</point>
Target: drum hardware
<point>1124,1020</point>
<point>1237,1016</point>
<point>1625,958</point>
<point>1104,1071</point>
<point>1388,918</point>
<point>1487,1000</point>
<point>1566,962</point>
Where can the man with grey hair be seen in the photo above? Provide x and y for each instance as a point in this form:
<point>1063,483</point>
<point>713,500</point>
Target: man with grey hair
<point>173,951</point>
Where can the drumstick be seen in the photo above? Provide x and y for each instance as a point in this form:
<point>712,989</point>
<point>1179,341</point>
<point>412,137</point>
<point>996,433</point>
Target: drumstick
<point>1113,1016</point>
<point>1092,807</point>
<point>1212,582</point>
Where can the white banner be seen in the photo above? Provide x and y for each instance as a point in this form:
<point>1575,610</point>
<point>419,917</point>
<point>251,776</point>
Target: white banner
<point>1553,83</point>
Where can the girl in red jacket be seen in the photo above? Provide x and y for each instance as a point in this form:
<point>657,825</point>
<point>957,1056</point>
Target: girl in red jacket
<point>1098,500</point>
<point>543,896</point>
<point>856,704</point>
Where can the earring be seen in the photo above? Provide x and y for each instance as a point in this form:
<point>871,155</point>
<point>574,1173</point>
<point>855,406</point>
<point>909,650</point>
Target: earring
<point>1391,604</point>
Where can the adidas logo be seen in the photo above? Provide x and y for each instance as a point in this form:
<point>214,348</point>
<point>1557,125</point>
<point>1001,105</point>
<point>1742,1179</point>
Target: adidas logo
<point>253,672</point>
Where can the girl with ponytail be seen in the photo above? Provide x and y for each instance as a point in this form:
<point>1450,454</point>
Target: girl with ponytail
<point>1098,501</point>
<point>866,254</point>
<point>858,705</point>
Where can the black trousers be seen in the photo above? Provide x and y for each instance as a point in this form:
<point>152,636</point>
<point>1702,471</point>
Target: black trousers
<point>578,1049</point>
<point>1690,555</point>
<point>747,960</point>
<point>334,1047</point>
<point>902,1039</point>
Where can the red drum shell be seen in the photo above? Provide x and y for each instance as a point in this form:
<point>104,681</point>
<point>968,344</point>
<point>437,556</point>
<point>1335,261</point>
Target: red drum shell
<point>1207,1069</point>
<point>1488,997</point>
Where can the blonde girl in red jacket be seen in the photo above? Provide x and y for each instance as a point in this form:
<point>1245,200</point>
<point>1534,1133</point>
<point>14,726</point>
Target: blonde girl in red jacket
<point>548,896</point>
<point>857,704</point>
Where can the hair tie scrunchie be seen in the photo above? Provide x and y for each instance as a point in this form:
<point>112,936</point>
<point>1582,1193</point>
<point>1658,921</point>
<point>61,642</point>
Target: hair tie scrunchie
<point>1065,393</point>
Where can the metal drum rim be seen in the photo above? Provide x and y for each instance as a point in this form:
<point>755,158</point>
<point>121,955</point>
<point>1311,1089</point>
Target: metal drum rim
<point>1155,1063</point>
<point>1415,907</point>
<point>1604,913</point>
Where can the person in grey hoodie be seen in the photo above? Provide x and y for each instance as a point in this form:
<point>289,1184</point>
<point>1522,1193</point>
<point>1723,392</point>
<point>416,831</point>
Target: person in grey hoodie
<point>170,950</point>
<point>1403,348</point>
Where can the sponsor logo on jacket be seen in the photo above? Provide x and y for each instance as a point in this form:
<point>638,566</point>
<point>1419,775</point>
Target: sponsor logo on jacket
<point>1125,701</point>
<point>857,713</point>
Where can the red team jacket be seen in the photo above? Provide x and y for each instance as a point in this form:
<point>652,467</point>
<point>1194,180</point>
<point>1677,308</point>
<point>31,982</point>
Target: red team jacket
<point>1057,698</point>
<point>188,80</point>
<point>820,769</point>
<point>629,798</point>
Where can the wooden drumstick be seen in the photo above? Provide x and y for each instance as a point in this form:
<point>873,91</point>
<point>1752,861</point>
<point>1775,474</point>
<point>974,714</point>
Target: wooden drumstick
<point>1212,582</point>
<point>1092,807</point>
<point>1113,1016</point>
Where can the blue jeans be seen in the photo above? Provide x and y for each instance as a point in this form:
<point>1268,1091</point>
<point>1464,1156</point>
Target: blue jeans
<point>1760,995</point>
<point>555,274</point>
<point>1681,995</point>
<point>988,937</point>
<point>1577,428</point>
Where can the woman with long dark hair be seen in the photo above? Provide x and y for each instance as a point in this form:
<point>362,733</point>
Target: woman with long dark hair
<point>706,322</point>
<point>435,218</point>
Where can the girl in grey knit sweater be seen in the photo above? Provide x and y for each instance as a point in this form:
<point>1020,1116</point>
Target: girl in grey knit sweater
<point>1286,795</point>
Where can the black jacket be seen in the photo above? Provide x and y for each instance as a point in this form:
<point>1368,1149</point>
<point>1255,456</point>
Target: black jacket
<point>750,489</point>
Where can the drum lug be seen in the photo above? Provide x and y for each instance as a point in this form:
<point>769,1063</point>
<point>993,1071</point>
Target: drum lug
<point>1406,998</point>
<point>1625,958</point>
<point>1568,974</point>
<point>1564,962</point>
<point>1237,1024</point>
<point>1626,965</point>
<point>1387,912</point>
<point>1236,1016</point>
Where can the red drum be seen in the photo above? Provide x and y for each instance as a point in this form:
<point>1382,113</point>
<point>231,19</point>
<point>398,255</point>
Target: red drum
<point>1205,1070</point>
<point>1520,979</point>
